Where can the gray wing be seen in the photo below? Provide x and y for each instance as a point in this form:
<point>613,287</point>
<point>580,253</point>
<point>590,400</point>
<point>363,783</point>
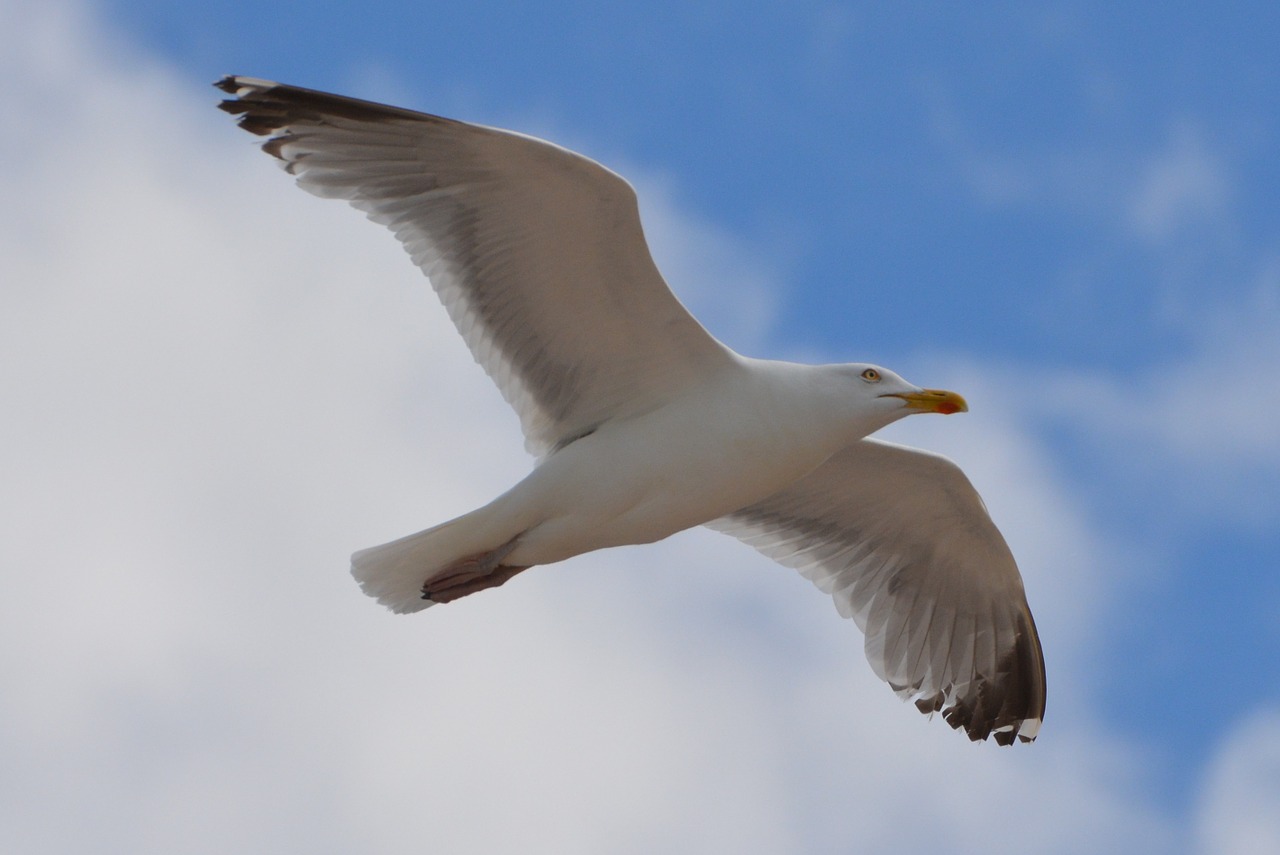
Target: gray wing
<point>904,544</point>
<point>536,252</point>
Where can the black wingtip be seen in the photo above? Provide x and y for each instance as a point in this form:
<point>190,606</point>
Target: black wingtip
<point>265,106</point>
<point>1007,706</point>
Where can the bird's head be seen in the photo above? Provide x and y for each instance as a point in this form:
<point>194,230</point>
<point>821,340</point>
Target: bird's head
<point>887,397</point>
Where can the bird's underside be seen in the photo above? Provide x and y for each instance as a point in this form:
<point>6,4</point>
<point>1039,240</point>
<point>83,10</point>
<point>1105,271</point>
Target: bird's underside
<point>539,257</point>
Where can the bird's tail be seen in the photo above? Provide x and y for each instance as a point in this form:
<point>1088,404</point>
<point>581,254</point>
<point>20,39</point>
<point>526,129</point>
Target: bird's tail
<point>394,573</point>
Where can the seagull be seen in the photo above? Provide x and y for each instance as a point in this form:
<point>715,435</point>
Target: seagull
<point>644,425</point>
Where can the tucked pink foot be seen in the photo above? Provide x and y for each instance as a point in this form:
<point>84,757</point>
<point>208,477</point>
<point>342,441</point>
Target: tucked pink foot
<point>470,575</point>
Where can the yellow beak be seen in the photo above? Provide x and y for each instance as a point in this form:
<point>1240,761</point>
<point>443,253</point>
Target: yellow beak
<point>933,401</point>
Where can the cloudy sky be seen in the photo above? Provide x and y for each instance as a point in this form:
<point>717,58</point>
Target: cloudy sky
<point>216,387</point>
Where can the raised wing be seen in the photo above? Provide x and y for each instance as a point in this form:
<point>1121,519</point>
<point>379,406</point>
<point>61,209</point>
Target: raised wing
<point>902,541</point>
<point>536,252</point>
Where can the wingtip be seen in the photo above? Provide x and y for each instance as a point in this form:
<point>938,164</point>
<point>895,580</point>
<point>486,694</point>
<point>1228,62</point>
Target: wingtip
<point>235,84</point>
<point>1007,706</point>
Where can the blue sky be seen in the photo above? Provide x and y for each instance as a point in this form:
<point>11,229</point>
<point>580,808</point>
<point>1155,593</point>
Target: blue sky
<point>1067,212</point>
<point>965,159</point>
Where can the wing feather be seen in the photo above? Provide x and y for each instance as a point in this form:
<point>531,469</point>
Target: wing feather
<point>536,252</point>
<point>903,543</point>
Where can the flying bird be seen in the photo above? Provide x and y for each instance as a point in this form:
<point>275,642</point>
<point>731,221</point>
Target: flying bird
<point>644,425</point>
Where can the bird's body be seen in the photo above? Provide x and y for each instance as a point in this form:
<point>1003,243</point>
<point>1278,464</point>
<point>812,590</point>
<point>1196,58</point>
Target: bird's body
<point>645,425</point>
<point>604,489</point>
<point>643,478</point>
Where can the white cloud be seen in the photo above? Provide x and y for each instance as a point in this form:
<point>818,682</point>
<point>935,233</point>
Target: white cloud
<point>217,387</point>
<point>1237,813</point>
<point>726,284</point>
<point>1173,195</point>
<point>1182,186</point>
<point>1203,417</point>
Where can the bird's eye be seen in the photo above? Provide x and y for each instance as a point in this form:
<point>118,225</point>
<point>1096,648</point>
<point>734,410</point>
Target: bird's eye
<point>871,375</point>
